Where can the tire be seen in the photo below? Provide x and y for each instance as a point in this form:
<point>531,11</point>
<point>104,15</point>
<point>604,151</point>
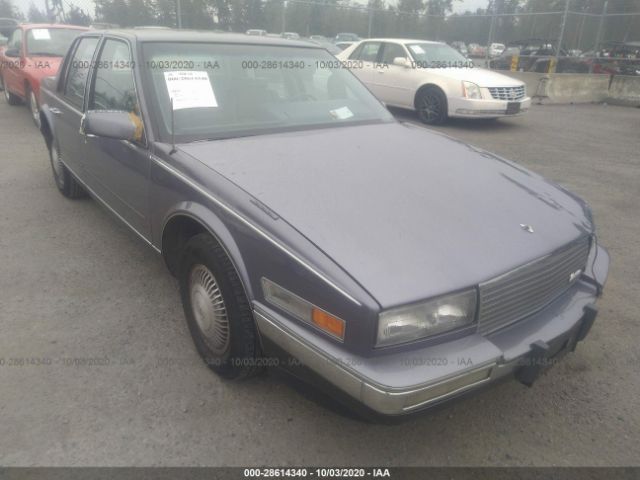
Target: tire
<point>431,105</point>
<point>33,106</point>
<point>217,310</point>
<point>67,185</point>
<point>9,97</point>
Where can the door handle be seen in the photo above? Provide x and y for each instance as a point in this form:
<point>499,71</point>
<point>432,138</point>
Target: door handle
<point>55,111</point>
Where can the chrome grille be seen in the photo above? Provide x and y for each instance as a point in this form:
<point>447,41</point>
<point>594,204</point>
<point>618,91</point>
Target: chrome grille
<point>524,291</point>
<point>507,93</point>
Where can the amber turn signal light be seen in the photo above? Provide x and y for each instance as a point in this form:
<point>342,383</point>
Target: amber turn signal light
<point>328,323</point>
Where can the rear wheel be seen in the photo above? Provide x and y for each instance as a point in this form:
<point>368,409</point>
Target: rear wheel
<point>217,310</point>
<point>10,98</point>
<point>34,107</point>
<point>431,105</point>
<point>65,182</point>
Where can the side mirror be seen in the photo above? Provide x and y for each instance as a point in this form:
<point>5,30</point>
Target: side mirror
<point>109,124</point>
<point>12,52</point>
<point>402,62</point>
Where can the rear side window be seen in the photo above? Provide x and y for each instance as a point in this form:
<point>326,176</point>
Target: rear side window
<point>369,51</point>
<point>76,81</point>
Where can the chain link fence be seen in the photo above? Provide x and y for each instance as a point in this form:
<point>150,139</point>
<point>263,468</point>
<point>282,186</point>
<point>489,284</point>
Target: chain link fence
<point>538,35</point>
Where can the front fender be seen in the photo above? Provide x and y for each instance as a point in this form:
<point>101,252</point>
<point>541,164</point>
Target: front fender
<point>217,228</point>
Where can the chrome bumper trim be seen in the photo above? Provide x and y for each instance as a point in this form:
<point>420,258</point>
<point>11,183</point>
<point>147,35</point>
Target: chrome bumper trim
<point>384,400</point>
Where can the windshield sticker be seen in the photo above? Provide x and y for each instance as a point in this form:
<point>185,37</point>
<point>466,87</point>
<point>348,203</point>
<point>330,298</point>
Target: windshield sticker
<point>417,49</point>
<point>41,34</point>
<point>341,113</point>
<point>190,89</point>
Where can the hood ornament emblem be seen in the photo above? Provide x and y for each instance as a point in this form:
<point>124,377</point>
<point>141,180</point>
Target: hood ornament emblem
<point>526,228</point>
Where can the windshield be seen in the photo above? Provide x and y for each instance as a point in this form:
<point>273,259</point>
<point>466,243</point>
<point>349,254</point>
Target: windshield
<point>52,42</point>
<point>223,91</point>
<point>431,53</point>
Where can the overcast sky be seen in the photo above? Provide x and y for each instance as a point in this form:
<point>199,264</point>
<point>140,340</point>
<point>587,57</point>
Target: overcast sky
<point>458,5</point>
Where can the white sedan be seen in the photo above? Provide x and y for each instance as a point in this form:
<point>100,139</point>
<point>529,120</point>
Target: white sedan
<point>433,79</point>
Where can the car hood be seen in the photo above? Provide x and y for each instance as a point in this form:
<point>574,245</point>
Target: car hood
<point>480,76</point>
<point>408,213</point>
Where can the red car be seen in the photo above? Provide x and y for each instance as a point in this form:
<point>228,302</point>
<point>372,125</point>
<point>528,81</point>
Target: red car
<point>34,52</point>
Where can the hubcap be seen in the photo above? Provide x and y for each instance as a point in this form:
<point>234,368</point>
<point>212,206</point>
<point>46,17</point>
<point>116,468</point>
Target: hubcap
<point>430,107</point>
<point>35,111</point>
<point>58,168</point>
<point>209,309</point>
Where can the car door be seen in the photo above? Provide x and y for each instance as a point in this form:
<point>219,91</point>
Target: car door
<point>11,71</point>
<point>394,84</point>
<point>119,169</point>
<point>367,54</point>
<point>69,109</point>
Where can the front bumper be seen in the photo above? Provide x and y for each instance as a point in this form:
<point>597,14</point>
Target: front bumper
<point>406,382</point>
<point>485,108</point>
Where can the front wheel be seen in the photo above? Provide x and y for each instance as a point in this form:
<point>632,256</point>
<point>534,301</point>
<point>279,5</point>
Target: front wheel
<point>9,97</point>
<point>65,182</point>
<point>431,105</point>
<point>217,310</point>
<point>34,107</point>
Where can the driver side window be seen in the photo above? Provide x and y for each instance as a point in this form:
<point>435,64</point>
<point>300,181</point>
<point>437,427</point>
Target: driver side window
<point>114,86</point>
<point>16,40</point>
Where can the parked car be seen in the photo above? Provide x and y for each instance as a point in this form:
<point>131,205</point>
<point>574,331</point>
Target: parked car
<point>614,58</point>
<point>34,52</point>
<point>290,35</point>
<point>343,45</point>
<point>332,48</point>
<point>536,55</point>
<point>496,49</point>
<point>346,37</point>
<point>433,79</point>
<point>477,51</point>
<point>392,260</point>
<point>7,26</point>
<point>256,31</point>
<point>461,47</point>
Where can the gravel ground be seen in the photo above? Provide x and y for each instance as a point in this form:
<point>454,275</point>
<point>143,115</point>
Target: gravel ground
<point>97,366</point>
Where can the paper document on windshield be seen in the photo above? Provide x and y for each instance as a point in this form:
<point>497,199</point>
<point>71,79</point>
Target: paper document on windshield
<point>341,113</point>
<point>417,49</point>
<point>190,89</point>
<point>41,34</point>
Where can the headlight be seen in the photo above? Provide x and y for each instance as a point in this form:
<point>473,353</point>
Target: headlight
<point>413,322</point>
<point>471,90</point>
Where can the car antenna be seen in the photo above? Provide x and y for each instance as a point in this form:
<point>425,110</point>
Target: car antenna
<point>173,137</point>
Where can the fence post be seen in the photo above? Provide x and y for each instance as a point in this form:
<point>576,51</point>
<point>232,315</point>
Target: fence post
<point>490,39</point>
<point>600,26</point>
<point>564,24</point>
<point>370,21</point>
<point>179,13</point>
<point>284,16</point>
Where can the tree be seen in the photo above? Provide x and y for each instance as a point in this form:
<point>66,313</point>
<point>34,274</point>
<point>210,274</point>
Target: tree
<point>35,15</point>
<point>77,16</point>
<point>8,10</point>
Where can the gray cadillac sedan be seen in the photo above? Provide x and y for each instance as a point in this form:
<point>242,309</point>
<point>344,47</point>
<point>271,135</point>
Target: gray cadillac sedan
<point>309,230</point>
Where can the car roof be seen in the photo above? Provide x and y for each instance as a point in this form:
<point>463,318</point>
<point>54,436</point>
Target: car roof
<point>200,36</point>
<point>26,26</point>
<point>401,40</point>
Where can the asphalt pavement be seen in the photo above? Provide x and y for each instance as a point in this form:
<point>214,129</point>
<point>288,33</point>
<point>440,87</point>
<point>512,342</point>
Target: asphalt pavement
<point>97,366</point>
